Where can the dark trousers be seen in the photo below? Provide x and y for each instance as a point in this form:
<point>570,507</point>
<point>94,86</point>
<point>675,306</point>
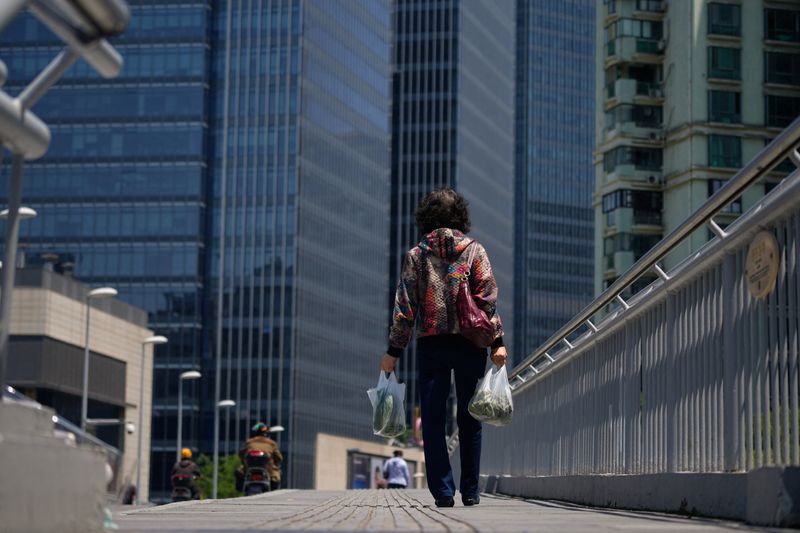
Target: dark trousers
<point>396,486</point>
<point>436,357</point>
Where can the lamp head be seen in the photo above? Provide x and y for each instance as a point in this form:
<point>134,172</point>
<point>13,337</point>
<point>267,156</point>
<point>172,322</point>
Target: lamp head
<point>156,339</point>
<point>102,292</point>
<point>191,374</point>
<point>24,213</point>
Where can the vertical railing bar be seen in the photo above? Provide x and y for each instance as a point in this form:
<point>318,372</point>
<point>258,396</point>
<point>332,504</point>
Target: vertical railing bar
<point>696,359</point>
<point>794,298</point>
<point>670,353</point>
<point>680,380</point>
<point>663,379</point>
<point>772,331</point>
<point>762,398</point>
<point>781,317</point>
<point>741,362</point>
<point>730,394</point>
<point>717,311</point>
<point>763,354</point>
<point>706,397</point>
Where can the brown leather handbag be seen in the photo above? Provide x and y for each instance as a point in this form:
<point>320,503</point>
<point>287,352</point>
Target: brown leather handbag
<point>472,321</point>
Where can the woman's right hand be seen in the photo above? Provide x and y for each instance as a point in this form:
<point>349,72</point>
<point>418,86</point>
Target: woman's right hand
<point>388,363</point>
<point>499,355</point>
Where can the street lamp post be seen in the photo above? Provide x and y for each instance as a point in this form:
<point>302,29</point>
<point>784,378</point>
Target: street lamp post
<point>102,292</point>
<point>190,374</point>
<point>12,230</point>
<point>226,404</point>
<point>158,339</point>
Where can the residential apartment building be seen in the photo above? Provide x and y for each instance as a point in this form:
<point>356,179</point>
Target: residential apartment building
<point>554,140</point>
<point>687,92</point>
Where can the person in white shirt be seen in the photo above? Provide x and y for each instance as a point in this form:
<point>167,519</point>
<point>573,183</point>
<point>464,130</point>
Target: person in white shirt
<point>396,471</point>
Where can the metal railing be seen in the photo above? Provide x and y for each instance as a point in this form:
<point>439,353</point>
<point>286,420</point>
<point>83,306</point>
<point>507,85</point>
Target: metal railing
<point>692,374</point>
<point>77,436</point>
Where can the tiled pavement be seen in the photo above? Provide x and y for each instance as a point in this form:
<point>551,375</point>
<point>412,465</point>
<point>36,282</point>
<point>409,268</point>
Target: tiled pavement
<point>399,510</point>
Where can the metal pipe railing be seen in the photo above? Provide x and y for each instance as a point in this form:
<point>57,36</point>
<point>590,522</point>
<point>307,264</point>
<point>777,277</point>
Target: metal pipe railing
<point>780,148</point>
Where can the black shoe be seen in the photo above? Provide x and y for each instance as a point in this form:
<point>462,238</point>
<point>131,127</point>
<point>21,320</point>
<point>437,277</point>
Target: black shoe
<point>470,501</point>
<point>445,502</point>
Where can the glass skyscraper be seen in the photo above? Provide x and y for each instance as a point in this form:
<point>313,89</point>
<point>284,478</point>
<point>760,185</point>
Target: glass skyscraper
<point>452,125</point>
<point>121,193</point>
<point>243,152</point>
<point>301,165</point>
<point>554,172</point>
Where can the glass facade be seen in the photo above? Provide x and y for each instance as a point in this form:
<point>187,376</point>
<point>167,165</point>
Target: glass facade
<point>121,193</point>
<point>300,158</point>
<point>452,126</point>
<point>243,152</point>
<point>554,174</point>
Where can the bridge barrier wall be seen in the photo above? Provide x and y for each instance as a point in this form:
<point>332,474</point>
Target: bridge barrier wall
<point>694,375</point>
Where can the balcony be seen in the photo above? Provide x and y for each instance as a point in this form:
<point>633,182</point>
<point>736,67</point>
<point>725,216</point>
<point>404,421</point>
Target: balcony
<point>627,91</point>
<point>635,49</point>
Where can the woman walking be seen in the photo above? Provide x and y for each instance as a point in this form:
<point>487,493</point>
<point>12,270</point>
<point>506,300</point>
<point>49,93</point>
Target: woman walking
<point>426,297</point>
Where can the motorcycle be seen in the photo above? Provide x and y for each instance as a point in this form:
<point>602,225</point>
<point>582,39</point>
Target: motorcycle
<point>181,487</point>
<point>256,476</point>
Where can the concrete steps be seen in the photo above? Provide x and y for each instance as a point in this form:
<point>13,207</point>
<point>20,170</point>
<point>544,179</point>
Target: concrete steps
<point>47,484</point>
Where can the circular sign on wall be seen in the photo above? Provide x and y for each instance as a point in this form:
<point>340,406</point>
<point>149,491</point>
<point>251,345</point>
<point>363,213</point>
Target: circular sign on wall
<point>763,263</point>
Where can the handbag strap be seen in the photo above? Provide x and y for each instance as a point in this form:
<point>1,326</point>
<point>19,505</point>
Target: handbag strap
<point>470,259</point>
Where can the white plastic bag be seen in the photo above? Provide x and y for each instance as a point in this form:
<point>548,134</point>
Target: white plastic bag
<point>492,402</point>
<point>388,406</point>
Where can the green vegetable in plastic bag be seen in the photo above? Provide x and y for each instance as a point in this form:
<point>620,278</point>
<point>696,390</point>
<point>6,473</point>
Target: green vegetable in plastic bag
<point>388,406</point>
<point>492,402</point>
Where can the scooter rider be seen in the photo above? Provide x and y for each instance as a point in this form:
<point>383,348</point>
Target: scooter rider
<point>260,441</point>
<point>189,468</point>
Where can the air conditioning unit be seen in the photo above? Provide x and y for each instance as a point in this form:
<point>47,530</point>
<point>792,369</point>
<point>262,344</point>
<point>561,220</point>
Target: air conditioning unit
<point>655,92</point>
<point>655,136</point>
<point>653,180</point>
<point>662,45</point>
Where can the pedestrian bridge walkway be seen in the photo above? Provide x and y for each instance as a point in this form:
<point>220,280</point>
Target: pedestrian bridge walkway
<point>398,510</point>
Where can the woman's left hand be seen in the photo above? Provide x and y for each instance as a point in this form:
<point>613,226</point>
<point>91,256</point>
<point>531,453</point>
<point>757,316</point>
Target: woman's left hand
<point>388,363</point>
<point>499,355</point>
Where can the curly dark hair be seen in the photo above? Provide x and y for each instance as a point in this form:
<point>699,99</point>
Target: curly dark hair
<point>443,208</point>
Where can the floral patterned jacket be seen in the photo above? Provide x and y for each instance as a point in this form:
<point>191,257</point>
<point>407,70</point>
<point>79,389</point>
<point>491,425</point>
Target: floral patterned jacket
<point>428,285</point>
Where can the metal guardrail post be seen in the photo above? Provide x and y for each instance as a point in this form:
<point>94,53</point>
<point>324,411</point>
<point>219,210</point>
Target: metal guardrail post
<point>672,419</point>
<point>730,388</point>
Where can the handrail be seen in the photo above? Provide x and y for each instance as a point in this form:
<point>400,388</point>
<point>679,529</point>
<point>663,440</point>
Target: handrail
<point>780,148</point>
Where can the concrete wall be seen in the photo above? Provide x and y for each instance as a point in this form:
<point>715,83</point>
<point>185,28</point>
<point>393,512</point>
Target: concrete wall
<point>38,311</point>
<point>766,496</point>
<point>331,456</point>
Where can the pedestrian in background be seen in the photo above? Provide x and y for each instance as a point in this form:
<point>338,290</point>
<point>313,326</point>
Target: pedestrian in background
<point>427,298</point>
<point>378,480</point>
<point>396,471</point>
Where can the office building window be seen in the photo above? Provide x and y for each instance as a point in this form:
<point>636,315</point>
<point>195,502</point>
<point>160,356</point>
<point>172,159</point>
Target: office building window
<point>724,151</point>
<point>611,6</point>
<point>781,110</point>
<point>735,206</point>
<point>653,6</point>
<point>724,106</point>
<point>724,19</point>
<point>782,25</point>
<point>782,68</point>
<point>724,63</point>
<point>646,205</point>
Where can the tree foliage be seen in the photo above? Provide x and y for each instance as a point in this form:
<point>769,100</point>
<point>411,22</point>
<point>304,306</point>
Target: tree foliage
<point>226,486</point>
